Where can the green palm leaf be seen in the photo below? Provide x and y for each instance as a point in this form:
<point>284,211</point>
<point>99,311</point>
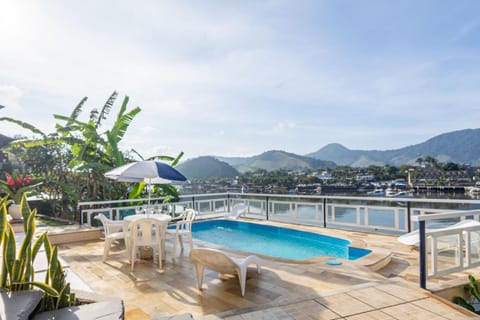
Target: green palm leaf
<point>77,110</point>
<point>106,109</point>
<point>24,125</point>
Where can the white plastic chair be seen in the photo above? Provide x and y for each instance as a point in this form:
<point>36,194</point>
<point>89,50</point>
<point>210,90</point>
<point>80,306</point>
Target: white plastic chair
<point>183,228</point>
<point>113,231</point>
<point>237,211</point>
<point>146,232</point>
<point>220,262</point>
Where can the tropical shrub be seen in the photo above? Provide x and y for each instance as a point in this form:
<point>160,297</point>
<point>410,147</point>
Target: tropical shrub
<point>473,295</point>
<point>16,184</point>
<point>17,268</point>
<point>80,152</point>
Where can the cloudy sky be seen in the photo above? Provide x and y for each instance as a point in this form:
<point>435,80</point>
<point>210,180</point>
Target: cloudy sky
<point>238,78</point>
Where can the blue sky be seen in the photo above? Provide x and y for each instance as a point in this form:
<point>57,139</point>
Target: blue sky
<point>236,78</point>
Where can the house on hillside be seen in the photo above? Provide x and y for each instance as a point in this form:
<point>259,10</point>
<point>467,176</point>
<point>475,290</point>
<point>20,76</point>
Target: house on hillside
<point>430,176</point>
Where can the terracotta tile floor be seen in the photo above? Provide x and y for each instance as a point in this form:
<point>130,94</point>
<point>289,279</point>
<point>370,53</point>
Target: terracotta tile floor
<point>282,290</point>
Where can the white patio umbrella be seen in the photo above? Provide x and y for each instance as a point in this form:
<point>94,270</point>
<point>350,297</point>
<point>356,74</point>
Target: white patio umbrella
<point>150,171</point>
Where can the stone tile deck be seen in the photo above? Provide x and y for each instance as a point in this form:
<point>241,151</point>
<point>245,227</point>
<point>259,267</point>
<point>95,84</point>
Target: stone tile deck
<point>282,291</point>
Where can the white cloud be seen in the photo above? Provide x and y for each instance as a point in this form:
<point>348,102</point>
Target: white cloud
<point>10,97</point>
<point>240,78</point>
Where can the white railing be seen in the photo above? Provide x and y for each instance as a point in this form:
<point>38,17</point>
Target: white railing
<point>373,214</point>
<point>448,250</point>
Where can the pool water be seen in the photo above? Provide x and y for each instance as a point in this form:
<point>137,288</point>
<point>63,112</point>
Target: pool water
<point>274,241</point>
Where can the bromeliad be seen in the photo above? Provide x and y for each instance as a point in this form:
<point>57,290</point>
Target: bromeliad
<point>16,184</point>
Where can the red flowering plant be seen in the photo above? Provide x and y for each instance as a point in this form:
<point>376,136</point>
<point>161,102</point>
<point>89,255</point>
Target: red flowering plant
<point>16,184</point>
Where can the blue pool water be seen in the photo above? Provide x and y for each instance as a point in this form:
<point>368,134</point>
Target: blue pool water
<point>274,241</point>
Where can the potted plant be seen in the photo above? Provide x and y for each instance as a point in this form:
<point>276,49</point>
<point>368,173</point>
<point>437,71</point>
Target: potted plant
<point>14,186</point>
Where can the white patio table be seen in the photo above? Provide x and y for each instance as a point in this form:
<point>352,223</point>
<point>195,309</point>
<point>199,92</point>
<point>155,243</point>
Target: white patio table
<point>165,218</point>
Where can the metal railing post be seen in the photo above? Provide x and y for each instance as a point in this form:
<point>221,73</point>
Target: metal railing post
<point>193,204</point>
<point>324,210</point>
<point>266,209</point>
<point>423,255</point>
<point>409,216</point>
<point>228,202</point>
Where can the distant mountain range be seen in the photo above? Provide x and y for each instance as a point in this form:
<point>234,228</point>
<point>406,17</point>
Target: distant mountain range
<point>222,167</point>
<point>461,146</point>
<point>206,167</point>
<point>275,160</point>
<point>458,146</point>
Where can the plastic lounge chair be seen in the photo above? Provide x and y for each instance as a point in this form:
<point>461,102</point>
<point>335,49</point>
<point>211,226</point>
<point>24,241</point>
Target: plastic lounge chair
<point>218,261</point>
<point>146,232</point>
<point>413,238</point>
<point>113,231</point>
<point>237,211</point>
<point>183,228</point>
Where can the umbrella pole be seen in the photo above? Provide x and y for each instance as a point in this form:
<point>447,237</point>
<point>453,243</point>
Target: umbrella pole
<point>149,194</point>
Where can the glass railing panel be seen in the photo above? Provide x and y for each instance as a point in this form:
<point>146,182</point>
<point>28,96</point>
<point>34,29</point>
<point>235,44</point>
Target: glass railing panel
<point>124,212</point>
<point>445,254</point>
<point>219,206</point>
<point>281,209</point>
<point>474,240</point>
<point>346,215</point>
<point>307,212</point>
<point>381,217</point>
<point>204,207</point>
<point>255,207</point>
<point>402,219</point>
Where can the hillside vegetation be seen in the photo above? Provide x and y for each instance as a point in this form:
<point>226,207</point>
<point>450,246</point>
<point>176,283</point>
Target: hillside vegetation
<point>276,160</point>
<point>461,146</point>
<point>206,168</point>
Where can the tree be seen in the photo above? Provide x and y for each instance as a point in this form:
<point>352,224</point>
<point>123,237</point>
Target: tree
<point>84,151</point>
<point>419,161</point>
<point>432,162</point>
<point>96,152</point>
<point>451,166</point>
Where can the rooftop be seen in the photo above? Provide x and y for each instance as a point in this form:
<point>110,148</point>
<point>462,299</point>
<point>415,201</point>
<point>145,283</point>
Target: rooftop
<point>284,290</point>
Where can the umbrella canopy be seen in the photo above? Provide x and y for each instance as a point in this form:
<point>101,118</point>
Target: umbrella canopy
<point>150,171</point>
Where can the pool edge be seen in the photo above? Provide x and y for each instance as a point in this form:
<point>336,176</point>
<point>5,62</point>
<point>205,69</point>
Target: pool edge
<point>375,260</point>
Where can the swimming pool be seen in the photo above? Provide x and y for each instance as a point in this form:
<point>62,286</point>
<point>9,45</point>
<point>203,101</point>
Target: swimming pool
<point>274,241</point>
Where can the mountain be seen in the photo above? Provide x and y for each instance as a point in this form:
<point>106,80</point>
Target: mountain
<point>274,160</point>
<point>206,167</point>
<point>4,140</point>
<point>461,146</point>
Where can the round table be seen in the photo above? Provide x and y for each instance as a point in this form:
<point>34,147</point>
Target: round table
<point>165,218</point>
<point>157,216</point>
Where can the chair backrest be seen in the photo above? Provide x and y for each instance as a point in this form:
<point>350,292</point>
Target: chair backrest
<point>214,259</point>
<point>239,209</point>
<point>185,225</point>
<point>146,231</point>
<point>107,223</point>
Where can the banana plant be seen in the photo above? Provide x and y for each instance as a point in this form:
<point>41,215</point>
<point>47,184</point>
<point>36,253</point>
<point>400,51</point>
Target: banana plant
<point>93,151</point>
<point>17,268</point>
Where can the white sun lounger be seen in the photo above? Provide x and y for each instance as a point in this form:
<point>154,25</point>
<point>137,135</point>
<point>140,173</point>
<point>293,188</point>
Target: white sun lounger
<point>218,261</point>
<point>413,238</point>
<point>237,211</point>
